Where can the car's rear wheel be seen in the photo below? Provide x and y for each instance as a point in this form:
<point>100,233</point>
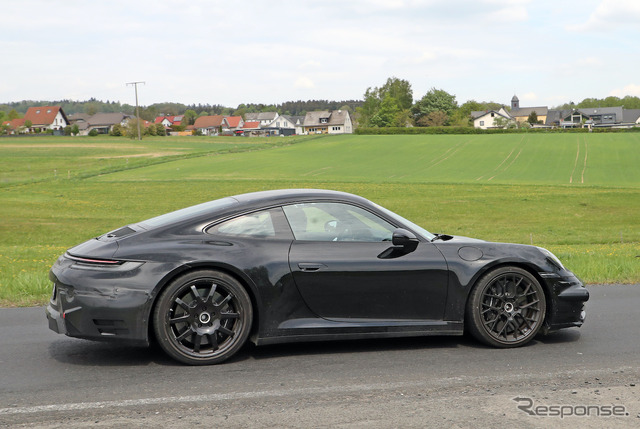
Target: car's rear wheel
<point>506,308</point>
<point>202,318</point>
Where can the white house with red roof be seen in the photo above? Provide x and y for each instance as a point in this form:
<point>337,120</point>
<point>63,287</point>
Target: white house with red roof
<point>232,123</point>
<point>169,121</point>
<point>46,118</point>
<point>209,125</point>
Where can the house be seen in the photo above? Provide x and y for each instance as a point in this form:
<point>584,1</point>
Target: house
<point>264,118</point>
<point>46,118</point>
<point>250,128</point>
<point>209,125</point>
<point>81,120</point>
<point>281,126</point>
<point>231,123</point>
<point>631,116</point>
<point>325,122</point>
<point>169,121</point>
<point>596,117</point>
<point>521,114</point>
<point>14,126</point>
<point>298,123</point>
<point>487,119</point>
<point>103,122</point>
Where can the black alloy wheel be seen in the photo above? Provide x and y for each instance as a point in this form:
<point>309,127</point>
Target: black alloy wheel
<point>203,318</point>
<point>506,308</point>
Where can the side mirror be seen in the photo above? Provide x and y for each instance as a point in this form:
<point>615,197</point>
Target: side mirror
<point>405,239</point>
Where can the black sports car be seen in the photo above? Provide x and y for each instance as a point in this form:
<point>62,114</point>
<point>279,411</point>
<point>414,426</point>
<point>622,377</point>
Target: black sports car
<point>302,265</point>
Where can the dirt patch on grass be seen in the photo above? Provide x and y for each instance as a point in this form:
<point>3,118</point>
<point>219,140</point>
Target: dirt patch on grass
<point>139,155</point>
<point>67,145</point>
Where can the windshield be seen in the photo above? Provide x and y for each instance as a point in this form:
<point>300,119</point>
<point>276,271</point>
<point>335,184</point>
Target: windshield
<point>188,212</point>
<point>416,228</point>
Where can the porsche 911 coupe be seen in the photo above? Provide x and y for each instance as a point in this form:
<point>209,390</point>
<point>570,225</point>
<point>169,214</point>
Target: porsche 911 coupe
<point>302,265</point>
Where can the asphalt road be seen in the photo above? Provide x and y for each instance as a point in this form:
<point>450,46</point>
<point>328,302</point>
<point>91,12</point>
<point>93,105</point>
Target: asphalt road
<point>589,375</point>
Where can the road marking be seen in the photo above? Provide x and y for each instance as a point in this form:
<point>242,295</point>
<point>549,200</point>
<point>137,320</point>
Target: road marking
<point>206,398</point>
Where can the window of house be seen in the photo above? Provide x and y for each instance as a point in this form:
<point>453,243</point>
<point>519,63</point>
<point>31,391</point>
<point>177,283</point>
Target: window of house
<point>482,123</point>
<point>323,120</point>
<point>492,114</point>
<point>37,111</point>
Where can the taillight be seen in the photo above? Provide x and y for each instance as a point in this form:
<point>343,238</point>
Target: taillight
<point>94,261</point>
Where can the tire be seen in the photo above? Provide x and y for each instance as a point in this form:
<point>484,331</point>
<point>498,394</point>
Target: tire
<point>506,308</point>
<point>202,318</point>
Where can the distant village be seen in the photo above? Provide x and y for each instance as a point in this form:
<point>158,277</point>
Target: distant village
<point>543,117</point>
<point>53,120</point>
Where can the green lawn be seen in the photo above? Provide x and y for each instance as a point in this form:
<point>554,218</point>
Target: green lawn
<point>56,192</point>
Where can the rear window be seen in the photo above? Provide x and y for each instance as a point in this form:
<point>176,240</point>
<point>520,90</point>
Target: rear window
<point>189,212</point>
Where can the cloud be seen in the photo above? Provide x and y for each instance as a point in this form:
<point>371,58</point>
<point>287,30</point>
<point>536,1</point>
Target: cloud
<point>611,14</point>
<point>304,82</point>
<point>529,97</point>
<point>631,89</point>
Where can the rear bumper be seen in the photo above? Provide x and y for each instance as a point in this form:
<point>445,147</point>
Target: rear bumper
<point>98,318</point>
<point>101,304</point>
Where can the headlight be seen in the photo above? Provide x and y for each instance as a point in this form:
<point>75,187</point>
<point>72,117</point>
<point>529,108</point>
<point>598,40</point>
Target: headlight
<point>553,258</point>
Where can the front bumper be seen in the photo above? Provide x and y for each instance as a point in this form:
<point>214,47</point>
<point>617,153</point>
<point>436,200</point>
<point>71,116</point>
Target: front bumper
<point>567,303</point>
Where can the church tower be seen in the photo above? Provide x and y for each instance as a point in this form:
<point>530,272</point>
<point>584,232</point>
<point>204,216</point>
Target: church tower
<point>515,103</point>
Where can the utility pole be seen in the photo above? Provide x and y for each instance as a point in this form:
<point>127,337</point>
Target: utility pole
<point>135,84</point>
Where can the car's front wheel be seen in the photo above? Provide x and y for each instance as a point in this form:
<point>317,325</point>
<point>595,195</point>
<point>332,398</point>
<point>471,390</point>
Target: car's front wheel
<point>506,308</point>
<point>203,317</point>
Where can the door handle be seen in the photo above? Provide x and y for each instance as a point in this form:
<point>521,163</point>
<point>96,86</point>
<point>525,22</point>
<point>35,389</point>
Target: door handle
<point>311,266</point>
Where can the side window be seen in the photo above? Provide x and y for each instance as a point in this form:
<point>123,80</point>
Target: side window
<point>336,222</point>
<point>263,224</point>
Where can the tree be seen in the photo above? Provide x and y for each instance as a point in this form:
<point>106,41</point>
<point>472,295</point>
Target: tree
<point>91,109</point>
<point>117,130</point>
<point>533,118</point>
<point>387,113</point>
<point>395,91</point>
<point>434,100</point>
<point>132,128</point>
<point>501,122</point>
<point>400,90</point>
<point>437,118</point>
<point>13,114</point>
<point>189,117</point>
<point>75,129</point>
<point>160,129</point>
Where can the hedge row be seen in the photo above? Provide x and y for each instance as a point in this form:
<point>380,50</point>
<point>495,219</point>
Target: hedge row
<point>469,130</point>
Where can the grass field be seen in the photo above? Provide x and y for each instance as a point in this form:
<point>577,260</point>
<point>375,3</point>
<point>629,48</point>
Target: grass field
<point>578,195</point>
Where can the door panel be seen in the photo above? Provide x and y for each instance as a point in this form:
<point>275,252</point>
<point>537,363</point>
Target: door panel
<point>347,280</point>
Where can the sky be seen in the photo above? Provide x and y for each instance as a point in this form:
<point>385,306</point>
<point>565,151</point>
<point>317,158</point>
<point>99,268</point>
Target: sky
<point>547,52</point>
